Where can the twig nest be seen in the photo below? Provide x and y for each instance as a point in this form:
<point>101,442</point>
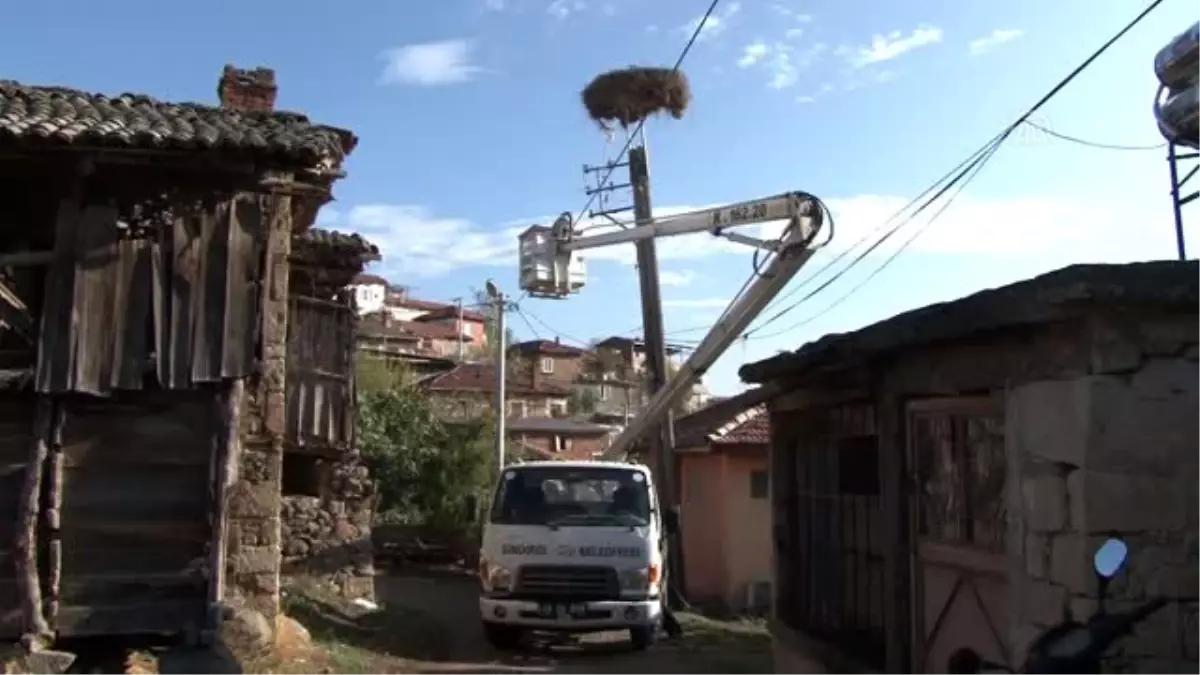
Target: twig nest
<point>630,95</point>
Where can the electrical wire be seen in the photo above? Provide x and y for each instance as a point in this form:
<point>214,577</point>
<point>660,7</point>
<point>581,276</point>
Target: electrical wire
<point>637,130</point>
<point>973,172</point>
<point>552,330</point>
<point>983,153</point>
<point>1090,144</point>
<point>528,325</point>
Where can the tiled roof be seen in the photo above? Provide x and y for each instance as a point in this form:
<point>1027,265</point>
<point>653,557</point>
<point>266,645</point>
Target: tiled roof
<point>327,247</point>
<point>413,303</point>
<point>556,425</point>
<point>376,324</point>
<point>737,420</point>
<point>547,347</point>
<point>482,377</point>
<point>58,116</point>
<point>1167,286</point>
<point>622,342</point>
<point>451,312</point>
<point>367,279</point>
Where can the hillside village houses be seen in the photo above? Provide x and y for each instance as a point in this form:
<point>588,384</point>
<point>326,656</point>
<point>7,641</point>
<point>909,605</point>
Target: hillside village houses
<point>591,392</point>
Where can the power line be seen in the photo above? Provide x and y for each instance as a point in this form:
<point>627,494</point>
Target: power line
<point>977,158</point>
<point>552,330</point>
<point>636,130</point>
<point>973,172</point>
<point>536,335</point>
<point>1091,144</point>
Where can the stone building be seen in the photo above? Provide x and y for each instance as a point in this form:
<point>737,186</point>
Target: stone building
<point>941,479</point>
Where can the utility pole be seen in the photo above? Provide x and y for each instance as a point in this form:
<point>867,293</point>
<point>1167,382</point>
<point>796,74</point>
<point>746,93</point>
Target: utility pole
<point>500,302</point>
<point>460,328</point>
<point>662,443</point>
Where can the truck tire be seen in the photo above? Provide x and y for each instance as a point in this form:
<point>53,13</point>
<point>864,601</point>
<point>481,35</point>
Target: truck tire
<point>502,637</point>
<point>642,637</point>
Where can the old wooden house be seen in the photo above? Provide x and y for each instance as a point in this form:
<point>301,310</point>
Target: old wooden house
<point>942,478</point>
<point>145,254</point>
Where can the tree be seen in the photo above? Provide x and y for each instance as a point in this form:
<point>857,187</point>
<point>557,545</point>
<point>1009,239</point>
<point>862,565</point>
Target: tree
<point>425,469</point>
<point>583,401</point>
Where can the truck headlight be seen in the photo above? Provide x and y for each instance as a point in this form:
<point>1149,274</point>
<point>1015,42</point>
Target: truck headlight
<point>494,577</point>
<point>641,580</point>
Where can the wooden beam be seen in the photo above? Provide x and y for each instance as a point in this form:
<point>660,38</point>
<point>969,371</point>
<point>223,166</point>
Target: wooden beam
<point>15,313</point>
<point>26,258</point>
<point>26,558</point>
<point>225,459</point>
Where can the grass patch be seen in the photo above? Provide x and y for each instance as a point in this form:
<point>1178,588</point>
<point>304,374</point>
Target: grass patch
<point>733,646</point>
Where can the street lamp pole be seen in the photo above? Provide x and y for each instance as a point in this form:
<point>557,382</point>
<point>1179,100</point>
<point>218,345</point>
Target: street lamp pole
<point>501,304</point>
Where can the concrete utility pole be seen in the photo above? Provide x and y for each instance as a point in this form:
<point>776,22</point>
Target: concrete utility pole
<point>662,443</point>
<point>461,327</point>
<point>500,302</point>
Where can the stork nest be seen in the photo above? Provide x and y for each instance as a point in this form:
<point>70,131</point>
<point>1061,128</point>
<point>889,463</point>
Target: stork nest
<point>630,95</point>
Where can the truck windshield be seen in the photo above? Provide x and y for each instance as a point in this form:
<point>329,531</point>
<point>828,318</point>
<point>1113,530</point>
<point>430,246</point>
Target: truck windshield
<point>572,496</point>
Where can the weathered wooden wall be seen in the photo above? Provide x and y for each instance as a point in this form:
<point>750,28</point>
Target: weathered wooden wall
<point>320,374</point>
<point>183,299</point>
<point>135,512</point>
<point>16,415</point>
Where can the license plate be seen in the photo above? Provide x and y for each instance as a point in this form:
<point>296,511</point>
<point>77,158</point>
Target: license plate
<point>547,611</point>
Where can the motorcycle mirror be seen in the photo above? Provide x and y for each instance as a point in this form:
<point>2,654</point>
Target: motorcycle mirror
<point>1109,558</point>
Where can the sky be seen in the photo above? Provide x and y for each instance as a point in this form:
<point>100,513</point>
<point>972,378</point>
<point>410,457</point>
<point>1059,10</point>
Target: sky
<point>471,129</point>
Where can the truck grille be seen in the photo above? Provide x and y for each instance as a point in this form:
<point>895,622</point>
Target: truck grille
<point>575,581</point>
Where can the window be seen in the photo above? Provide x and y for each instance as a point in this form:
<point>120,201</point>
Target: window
<point>558,408</point>
<point>562,443</point>
<point>516,408</point>
<point>604,392</point>
<point>593,496</point>
<point>858,465</point>
<point>759,484</point>
<point>303,476</point>
<point>547,366</point>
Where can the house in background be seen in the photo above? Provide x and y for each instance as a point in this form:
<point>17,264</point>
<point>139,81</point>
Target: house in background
<point>557,438</point>
<point>468,390</point>
<point>376,297</point>
<point>370,290</point>
<point>1031,421</point>
<point>630,373</point>
<point>725,511</point>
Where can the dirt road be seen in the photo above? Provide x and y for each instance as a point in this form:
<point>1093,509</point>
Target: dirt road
<point>451,602</point>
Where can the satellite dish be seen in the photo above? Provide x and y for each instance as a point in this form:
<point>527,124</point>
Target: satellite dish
<point>493,290</point>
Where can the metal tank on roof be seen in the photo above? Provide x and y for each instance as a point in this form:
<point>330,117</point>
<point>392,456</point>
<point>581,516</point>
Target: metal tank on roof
<point>1177,106</point>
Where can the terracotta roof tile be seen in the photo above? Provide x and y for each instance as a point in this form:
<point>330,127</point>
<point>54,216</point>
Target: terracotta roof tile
<point>482,377</point>
<point>741,419</point>
<point>68,117</point>
<point>548,347</point>
<point>451,312</point>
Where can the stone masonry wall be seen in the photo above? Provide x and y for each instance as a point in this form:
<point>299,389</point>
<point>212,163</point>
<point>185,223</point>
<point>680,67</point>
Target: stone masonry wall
<point>1109,454</point>
<point>330,536</point>
<point>253,544</point>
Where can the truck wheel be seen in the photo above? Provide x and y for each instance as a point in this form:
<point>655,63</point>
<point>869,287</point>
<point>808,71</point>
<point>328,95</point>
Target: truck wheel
<point>642,637</point>
<point>502,637</point>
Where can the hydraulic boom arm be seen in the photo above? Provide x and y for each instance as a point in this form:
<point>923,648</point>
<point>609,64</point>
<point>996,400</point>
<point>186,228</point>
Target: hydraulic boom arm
<point>793,251</point>
<point>548,269</point>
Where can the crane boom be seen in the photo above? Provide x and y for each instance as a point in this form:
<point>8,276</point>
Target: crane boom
<point>548,269</point>
<point>793,252</point>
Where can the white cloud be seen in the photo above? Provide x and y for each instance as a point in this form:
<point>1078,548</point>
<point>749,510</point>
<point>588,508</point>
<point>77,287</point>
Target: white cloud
<point>782,61</point>
<point>696,303</point>
<point>715,25</point>
<point>753,53</point>
<point>494,5</point>
<point>790,13</point>
<point>417,243</point>
<point>561,9</point>
<point>895,44</point>
<point>328,216</point>
<point>430,63</point>
<point>675,277</point>
<point>992,40</point>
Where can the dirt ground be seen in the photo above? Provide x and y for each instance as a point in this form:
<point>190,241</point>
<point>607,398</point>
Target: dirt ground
<point>428,622</point>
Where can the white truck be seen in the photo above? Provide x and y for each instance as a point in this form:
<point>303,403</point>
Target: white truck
<point>576,547</point>
<point>572,547</point>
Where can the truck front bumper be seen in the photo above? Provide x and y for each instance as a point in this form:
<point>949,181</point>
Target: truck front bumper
<point>573,616</point>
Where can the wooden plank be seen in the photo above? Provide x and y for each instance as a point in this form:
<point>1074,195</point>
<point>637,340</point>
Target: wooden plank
<point>127,556</point>
<point>14,313</point>
<point>27,549</point>
<point>210,294</point>
<point>169,616</point>
<point>124,589</point>
<point>55,362</point>
<point>95,275</point>
<point>243,271</point>
<point>225,460</point>
<point>185,275</point>
<point>53,519</point>
<point>132,313</point>
<point>160,280</point>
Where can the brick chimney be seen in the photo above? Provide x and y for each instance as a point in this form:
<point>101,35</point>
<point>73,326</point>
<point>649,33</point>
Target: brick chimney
<point>246,89</point>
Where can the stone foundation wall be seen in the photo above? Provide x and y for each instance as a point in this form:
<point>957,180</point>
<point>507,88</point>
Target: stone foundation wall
<point>329,537</point>
<point>253,542</point>
<point>1110,454</point>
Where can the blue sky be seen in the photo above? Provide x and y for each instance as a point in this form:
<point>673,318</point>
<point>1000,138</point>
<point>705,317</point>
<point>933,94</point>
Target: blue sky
<point>471,128</point>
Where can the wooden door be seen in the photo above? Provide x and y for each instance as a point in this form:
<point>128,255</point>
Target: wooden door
<point>320,375</point>
<point>960,582</point>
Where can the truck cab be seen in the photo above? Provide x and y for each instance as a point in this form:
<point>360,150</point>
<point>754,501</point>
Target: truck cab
<point>572,547</point>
